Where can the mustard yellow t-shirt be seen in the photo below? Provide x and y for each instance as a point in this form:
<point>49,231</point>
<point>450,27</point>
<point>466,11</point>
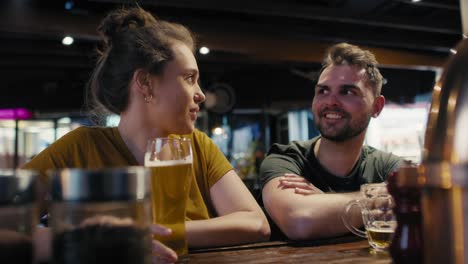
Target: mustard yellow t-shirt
<point>103,147</point>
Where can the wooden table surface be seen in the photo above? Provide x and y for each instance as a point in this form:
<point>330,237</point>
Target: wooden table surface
<point>355,252</point>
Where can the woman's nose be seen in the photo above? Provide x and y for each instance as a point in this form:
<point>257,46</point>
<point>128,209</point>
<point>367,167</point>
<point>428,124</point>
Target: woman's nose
<point>199,96</point>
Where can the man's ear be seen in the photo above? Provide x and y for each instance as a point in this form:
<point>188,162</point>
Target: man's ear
<point>142,82</point>
<point>379,103</point>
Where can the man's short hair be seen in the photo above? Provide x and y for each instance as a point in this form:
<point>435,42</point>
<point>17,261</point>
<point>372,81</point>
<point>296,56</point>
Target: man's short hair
<point>347,54</point>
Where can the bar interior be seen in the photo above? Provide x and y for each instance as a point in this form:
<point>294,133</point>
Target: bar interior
<point>271,104</point>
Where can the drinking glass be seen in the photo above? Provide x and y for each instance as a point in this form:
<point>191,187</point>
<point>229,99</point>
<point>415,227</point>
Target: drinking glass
<point>376,206</point>
<point>170,161</point>
<point>18,215</point>
<point>101,216</point>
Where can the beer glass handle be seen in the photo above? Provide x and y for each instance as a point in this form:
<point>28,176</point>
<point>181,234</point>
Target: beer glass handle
<point>345,217</point>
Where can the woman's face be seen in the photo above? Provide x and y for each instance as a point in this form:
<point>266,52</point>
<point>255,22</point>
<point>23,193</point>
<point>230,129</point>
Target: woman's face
<point>177,94</point>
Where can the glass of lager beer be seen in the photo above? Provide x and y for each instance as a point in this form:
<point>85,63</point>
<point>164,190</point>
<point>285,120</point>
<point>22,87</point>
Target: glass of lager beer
<point>170,161</point>
<point>376,206</point>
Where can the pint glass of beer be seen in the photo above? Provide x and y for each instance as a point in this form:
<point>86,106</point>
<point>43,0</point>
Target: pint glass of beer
<point>170,161</point>
<point>376,206</point>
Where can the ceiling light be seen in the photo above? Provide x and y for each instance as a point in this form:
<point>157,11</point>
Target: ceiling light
<point>454,51</point>
<point>415,1</point>
<point>204,50</point>
<point>67,41</point>
<point>69,5</point>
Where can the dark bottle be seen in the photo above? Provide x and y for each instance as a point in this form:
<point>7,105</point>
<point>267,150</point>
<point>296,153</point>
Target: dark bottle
<point>407,243</point>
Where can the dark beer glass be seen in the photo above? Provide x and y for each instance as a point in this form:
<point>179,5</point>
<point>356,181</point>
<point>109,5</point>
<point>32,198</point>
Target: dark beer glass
<point>101,216</point>
<point>18,215</point>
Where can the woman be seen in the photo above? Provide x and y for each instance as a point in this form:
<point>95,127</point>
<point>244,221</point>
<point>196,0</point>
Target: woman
<point>147,74</point>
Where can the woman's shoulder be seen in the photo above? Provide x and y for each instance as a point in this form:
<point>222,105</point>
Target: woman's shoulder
<point>84,135</point>
<point>202,143</point>
<point>199,137</point>
<point>90,132</point>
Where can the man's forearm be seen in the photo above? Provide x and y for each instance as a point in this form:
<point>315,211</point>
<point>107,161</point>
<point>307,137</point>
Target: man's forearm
<point>313,216</point>
<point>322,216</point>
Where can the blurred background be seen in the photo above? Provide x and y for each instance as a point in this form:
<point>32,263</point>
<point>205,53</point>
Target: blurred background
<point>258,66</point>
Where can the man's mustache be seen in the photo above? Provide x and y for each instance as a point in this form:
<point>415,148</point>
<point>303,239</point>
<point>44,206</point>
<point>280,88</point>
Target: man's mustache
<point>337,110</point>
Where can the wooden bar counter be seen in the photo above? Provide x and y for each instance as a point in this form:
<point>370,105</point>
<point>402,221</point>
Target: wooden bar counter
<point>342,250</point>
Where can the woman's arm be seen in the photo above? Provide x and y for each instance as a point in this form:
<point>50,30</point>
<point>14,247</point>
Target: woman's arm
<point>240,219</point>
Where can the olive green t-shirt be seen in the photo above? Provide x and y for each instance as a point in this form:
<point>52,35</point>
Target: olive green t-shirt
<point>298,157</point>
<point>103,147</point>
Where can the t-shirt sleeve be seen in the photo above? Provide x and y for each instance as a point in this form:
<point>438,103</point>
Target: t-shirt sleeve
<point>41,163</point>
<point>392,163</point>
<point>278,163</point>
<point>61,154</point>
<point>217,163</point>
<point>380,165</point>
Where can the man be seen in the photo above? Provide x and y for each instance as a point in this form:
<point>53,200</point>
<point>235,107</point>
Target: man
<point>306,185</point>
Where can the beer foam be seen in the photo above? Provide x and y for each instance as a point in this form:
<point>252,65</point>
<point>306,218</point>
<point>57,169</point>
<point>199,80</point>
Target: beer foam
<point>165,163</point>
<point>381,230</point>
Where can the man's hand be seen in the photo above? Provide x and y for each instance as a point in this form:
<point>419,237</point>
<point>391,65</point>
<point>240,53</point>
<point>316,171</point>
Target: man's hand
<point>298,183</point>
<point>161,253</point>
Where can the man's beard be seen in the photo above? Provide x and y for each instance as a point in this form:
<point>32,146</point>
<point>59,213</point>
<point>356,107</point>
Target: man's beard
<point>349,131</point>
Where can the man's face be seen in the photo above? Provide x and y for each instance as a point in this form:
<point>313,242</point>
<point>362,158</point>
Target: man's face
<point>343,103</point>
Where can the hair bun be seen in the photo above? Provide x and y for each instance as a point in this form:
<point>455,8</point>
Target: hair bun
<point>122,20</point>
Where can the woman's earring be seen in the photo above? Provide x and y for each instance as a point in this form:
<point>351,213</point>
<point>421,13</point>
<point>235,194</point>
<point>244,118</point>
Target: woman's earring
<point>148,98</point>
